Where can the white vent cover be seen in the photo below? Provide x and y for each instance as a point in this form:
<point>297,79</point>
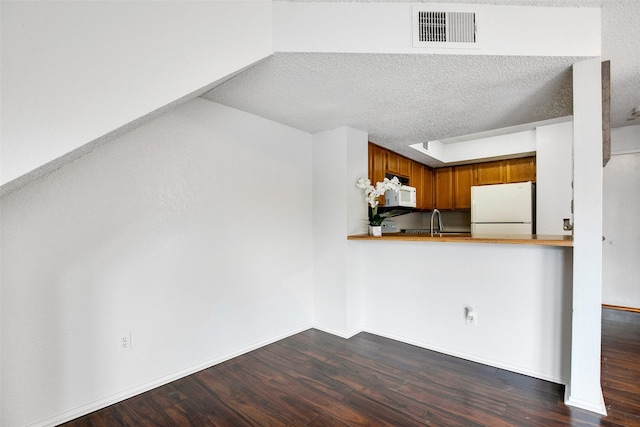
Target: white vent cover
<point>444,29</point>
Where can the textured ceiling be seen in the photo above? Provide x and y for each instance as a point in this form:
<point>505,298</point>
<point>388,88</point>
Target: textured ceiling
<point>402,99</point>
<point>407,99</point>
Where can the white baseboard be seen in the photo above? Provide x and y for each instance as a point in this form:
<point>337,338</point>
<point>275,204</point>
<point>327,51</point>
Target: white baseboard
<point>444,350</point>
<point>126,394</point>
<point>597,407</point>
<point>627,151</point>
<point>345,335</point>
<point>474,358</point>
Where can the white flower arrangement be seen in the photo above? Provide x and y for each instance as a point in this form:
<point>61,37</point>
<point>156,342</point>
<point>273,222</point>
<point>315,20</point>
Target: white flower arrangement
<point>372,193</point>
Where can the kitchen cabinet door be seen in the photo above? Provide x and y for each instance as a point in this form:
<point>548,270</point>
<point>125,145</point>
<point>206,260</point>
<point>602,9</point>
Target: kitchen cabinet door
<point>417,170</point>
<point>521,170</point>
<point>444,188</point>
<point>427,187</point>
<point>490,173</point>
<point>377,163</point>
<point>393,163</point>
<point>404,166</point>
<point>398,165</point>
<point>463,178</point>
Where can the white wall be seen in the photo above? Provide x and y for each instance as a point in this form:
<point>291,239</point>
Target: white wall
<point>523,301</point>
<point>73,71</point>
<point>176,232</point>
<point>554,176</point>
<point>339,209</point>
<point>621,224</point>
<point>378,27</point>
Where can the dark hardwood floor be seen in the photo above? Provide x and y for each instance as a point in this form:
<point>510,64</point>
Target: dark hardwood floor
<point>316,379</point>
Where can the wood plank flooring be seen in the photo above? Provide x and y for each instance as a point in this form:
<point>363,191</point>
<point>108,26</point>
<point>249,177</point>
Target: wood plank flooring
<point>316,379</point>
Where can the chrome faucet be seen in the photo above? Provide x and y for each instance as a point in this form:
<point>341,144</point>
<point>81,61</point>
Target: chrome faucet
<point>440,226</point>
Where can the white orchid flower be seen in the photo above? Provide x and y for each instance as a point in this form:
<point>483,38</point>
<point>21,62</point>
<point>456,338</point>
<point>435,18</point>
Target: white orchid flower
<point>372,194</point>
<point>363,183</point>
<point>392,184</point>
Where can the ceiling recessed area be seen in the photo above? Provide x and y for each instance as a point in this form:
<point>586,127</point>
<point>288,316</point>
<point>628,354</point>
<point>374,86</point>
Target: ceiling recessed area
<point>505,143</point>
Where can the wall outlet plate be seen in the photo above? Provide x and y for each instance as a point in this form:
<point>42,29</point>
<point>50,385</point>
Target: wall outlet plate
<point>124,342</point>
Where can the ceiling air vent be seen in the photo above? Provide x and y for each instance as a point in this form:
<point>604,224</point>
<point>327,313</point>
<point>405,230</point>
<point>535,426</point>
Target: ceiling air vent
<point>444,29</point>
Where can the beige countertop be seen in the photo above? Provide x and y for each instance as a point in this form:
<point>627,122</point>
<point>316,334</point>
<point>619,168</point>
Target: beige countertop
<point>513,239</point>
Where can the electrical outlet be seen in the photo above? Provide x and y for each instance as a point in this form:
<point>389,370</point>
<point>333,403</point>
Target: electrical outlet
<point>125,341</point>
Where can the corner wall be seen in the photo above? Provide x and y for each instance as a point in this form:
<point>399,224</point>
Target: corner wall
<point>339,209</point>
<point>193,233</point>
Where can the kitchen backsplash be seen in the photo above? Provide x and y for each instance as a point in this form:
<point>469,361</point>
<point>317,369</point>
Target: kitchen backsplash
<point>452,220</point>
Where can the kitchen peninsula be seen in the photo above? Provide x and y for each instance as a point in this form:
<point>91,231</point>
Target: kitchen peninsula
<point>514,239</point>
<point>417,289</point>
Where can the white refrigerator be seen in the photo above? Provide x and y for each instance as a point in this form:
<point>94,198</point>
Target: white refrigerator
<point>503,208</point>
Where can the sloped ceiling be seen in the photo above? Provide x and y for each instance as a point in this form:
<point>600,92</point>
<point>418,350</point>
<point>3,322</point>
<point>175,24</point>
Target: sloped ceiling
<point>407,99</point>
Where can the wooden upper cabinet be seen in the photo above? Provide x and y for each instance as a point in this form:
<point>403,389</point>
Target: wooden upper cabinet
<point>416,180</point>
<point>392,163</point>
<point>463,178</point>
<point>521,170</point>
<point>428,181</point>
<point>444,188</point>
<point>377,163</point>
<point>404,166</point>
<point>490,173</point>
<point>506,171</point>
<point>398,165</point>
<point>422,180</point>
<point>449,187</point>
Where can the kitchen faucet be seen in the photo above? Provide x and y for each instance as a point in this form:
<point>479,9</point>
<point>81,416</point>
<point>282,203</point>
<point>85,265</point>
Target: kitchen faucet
<point>440,226</point>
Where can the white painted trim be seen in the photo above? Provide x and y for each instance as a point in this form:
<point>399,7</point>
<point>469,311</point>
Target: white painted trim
<point>623,152</point>
<point>589,406</point>
<point>472,357</point>
<point>134,391</point>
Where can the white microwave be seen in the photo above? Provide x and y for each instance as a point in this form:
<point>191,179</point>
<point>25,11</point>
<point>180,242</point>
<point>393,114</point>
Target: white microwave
<point>405,197</point>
